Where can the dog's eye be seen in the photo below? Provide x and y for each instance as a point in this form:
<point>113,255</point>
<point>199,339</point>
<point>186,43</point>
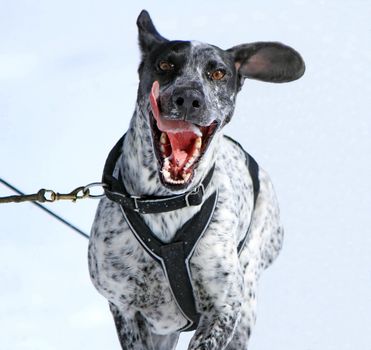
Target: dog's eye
<point>166,66</point>
<point>217,74</point>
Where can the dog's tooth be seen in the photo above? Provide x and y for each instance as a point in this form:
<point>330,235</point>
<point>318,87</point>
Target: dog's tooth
<point>193,158</point>
<point>186,176</point>
<point>163,138</point>
<point>198,142</point>
<point>188,164</point>
<point>166,163</point>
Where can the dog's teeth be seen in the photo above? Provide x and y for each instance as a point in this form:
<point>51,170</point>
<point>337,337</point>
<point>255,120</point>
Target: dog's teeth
<point>166,163</point>
<point>163,150</point>
<point>175,182</point>
<point>192,159</point>
<point>186,176</point>
<point>163,138</point>
<point>196,153</point>
<point>168,175</point>
<point>198,143</point>
<point>189,163</point>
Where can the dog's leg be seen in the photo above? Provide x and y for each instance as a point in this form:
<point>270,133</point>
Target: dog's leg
<point>244,326</point>
<point>165,342</point>
<point>266,233</point>
<point>215,330</point>
<point>219,291</point>
<point>134,333</point>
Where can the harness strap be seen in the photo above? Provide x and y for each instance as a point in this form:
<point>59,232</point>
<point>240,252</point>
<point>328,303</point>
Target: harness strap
<point>148,204</point>
<point>253,167</point>
<point>254,173</point>
<point>174,256</point>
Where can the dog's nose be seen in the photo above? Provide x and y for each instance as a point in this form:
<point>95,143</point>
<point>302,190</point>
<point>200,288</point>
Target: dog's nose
<point>189,102</point>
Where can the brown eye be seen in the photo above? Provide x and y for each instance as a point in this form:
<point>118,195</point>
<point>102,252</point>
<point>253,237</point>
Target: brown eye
<point>166,66</point>
<point>217,74</point>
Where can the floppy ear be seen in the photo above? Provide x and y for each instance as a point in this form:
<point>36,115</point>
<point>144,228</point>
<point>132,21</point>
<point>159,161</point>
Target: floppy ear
<point>268,61</point>
<point>148,35</point>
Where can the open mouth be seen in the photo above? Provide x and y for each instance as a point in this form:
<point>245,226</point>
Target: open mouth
<point>179,145</point>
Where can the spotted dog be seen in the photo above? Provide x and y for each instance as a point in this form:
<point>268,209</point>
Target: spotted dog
<point>174,145</point>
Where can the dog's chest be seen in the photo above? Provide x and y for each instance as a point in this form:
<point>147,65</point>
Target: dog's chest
<point>119,267</point>
<point>126,274</point>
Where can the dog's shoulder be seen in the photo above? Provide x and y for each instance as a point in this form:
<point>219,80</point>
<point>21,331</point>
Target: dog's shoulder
<point>231,145</point>
<point>233,162</point>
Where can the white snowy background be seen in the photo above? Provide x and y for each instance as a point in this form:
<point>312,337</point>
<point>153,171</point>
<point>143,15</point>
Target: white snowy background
<point>67,91</point>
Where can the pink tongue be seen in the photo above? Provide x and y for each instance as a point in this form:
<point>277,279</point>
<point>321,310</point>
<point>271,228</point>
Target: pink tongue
<point>155,93</point>
<point>180,133</point>
<point>174,126</point>
<point>181,144</point>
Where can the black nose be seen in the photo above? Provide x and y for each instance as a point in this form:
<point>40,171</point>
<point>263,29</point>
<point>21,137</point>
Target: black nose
<point>189,102</point>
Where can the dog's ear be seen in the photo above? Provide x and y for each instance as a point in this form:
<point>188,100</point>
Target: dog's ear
<point>268,61</point>
<point>148,35</point>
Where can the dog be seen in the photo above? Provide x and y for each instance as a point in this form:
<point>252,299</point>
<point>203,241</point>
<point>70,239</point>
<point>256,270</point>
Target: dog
<point>176,182</point>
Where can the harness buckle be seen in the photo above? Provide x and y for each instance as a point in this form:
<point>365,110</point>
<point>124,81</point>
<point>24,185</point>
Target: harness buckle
<point>135,199</point>
<point>195,191</point>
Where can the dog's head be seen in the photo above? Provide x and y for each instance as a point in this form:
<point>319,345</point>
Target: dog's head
<point>189,91</point>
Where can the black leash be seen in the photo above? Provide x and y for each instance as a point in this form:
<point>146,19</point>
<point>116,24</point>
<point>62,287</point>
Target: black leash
<point>33,199</point>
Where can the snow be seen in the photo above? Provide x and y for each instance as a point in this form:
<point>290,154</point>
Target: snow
<point>67,91</point>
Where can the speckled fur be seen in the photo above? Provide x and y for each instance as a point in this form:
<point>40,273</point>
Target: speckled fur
<point>225,283</point>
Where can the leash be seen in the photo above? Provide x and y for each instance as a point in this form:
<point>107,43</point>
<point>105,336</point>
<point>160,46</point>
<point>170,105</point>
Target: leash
<point>50,196</point>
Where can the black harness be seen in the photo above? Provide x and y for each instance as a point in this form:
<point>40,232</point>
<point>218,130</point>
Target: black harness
<point>174,256</point>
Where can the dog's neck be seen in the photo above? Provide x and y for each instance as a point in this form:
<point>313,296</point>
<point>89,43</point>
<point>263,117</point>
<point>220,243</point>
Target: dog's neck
<point>138,164</point>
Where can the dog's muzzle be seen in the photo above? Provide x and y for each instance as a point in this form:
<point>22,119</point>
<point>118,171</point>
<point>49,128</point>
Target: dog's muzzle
<point>179,143</point>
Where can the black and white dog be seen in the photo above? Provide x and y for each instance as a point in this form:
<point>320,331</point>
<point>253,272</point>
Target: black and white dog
<point>190,221</point>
